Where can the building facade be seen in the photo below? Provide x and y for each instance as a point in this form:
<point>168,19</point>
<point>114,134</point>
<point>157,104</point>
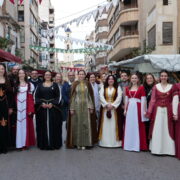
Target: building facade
<point>101,30</point>
<point>29,21</point>
<point>141,26</point>
<point>47,17</point>
<point>9,27</point>
<point>68,58</point>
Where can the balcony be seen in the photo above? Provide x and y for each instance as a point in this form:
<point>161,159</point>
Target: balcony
<point>129,16</point>
<point>124,45</point>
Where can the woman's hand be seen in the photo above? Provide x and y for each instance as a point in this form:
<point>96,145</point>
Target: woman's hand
<point>91,111</point>
<point>50,105</point>
<point>44,105</point>
<point>72,112</point>
<point>175,117</point>
<point>10,111</point>
<point>29,113</point>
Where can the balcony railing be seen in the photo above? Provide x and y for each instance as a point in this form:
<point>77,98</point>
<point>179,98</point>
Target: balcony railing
<point>130,33</point>
<point>130,6</point>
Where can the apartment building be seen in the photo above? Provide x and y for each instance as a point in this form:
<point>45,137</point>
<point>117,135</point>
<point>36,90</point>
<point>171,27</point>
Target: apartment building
<point>101,31</point>
<point>123,32</point>
<point>46,15</point>
<point>143,25</point>
<point>9,27</point>
<point>29,21</point>
<point>161,22</point>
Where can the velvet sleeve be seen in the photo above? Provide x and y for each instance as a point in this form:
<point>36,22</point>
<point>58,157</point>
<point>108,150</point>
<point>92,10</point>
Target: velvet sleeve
<point>152,102</point>
<point>57,96</point>
<point>37,95</point>
<point>143,105</point>
<point>126,98</point>
<point>117,102</point>
<point>103,101</point>
<point>175,100</point>
<point>66,93</point>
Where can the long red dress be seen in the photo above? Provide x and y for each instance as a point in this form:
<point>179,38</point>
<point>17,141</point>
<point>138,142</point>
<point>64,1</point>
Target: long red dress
<point>134,132</point>
<point>177,127</point>
<point>161,120</point>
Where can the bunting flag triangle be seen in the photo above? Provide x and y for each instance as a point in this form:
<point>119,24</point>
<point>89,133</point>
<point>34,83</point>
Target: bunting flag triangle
<point>12,1</point>
<point>21,1</point>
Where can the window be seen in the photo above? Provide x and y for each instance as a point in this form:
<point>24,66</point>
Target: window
<point>116,12</point>
<point>21,16</point>
<point>111,22</point>
<point>22,36</point>
<point>111,42</point>
<point>152,37</point>
<point>117,35</point>
<point>165,2</point>
<point>167,33</point>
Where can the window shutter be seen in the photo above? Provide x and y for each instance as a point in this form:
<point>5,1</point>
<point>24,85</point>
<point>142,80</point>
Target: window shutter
<point>167,32</point>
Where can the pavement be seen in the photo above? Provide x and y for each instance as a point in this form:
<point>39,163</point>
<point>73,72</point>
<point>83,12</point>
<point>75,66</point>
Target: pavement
<point>96,164</point>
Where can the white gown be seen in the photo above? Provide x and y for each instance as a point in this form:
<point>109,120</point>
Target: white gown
<point>108,137</point>
<point>21,116</point>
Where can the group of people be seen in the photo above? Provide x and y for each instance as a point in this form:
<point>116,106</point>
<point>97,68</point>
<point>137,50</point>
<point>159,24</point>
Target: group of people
<point>111,113</point>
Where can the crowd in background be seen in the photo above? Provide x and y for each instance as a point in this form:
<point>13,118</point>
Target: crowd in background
<point>127,110</point>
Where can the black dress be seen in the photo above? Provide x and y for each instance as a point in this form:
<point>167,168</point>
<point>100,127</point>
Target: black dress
<point>48,121</point>
<point>5,104</point>
<point>13,116</point>
<point>148,90</point>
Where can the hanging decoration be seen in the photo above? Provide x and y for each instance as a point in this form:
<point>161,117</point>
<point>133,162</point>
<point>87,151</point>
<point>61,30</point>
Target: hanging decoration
<point>78,51</point>
<point>86,17</point>
<point>12,1</point>
<point>83,42</point>
<point>70,69</point>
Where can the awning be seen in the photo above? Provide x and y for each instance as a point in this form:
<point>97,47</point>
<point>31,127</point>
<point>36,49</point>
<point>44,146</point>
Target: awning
<point>8,57</point>
<point>156,62</point>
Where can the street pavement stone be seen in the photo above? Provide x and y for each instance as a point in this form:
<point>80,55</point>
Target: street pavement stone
<point>96,164</point>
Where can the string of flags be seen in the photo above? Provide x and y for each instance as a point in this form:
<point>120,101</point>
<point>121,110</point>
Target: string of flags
<point>86,17</point>
<point>79,51</point>
<point>13,2</point>
<point>84,42</point>
<point>70,69</point>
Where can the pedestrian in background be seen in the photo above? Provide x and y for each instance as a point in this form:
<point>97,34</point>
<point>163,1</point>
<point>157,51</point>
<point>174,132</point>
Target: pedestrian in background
<point>149,82</point>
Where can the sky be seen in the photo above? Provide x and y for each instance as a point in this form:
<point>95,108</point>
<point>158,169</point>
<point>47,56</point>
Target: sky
<point>66,10</point>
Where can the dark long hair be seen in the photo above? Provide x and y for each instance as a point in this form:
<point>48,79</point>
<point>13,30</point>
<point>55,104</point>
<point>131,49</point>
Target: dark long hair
<point>7,82</point>
<point>164,71</point>
<point>115,85</point>
<point>18,81</point>
<point>145,83</point>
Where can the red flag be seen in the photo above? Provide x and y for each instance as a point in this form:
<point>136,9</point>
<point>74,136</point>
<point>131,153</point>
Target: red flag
<point>12,1</point>
<point>40,1</point>
<point>21,1</point>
